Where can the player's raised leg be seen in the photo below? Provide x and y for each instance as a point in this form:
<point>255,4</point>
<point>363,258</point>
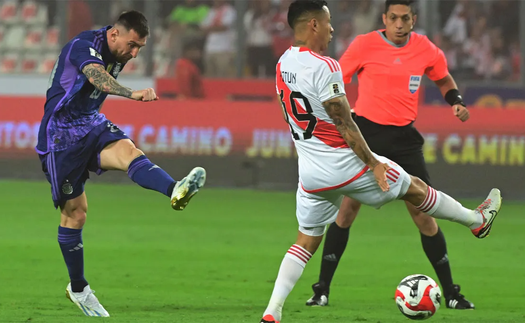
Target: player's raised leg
<point>439,205</point>
<point>73,217</point>
<point>123,155</point>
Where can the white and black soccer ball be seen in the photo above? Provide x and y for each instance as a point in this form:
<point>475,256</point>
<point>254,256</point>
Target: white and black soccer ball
<point>418,297</point>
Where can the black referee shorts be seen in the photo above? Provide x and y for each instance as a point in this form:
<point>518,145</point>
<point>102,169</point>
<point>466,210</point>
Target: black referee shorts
<point>403,145</point>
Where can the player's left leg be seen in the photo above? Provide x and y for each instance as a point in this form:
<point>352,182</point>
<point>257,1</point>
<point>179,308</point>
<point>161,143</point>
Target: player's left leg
<point>434,203</point>
<point>441,206</point>
<point>123,155</point>
<point>313,213</point>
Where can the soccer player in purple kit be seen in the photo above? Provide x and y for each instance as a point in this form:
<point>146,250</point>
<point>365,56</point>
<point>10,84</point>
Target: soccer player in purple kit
<point>74,138</point>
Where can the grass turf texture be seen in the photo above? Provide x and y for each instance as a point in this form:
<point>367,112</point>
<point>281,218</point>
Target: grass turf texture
<point>217,261</point>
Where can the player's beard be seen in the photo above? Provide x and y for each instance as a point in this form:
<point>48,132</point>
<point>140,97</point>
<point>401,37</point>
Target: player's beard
<point>124,59</point>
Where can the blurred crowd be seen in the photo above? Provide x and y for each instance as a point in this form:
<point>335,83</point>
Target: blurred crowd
<point>479,37</point>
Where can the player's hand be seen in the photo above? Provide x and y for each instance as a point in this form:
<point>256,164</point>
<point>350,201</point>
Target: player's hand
<point>380,170</point>
<point>144,95</point>
<point>461,112</point>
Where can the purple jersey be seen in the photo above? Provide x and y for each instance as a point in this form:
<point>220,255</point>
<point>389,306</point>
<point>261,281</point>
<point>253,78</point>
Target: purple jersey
<point>72,102</point>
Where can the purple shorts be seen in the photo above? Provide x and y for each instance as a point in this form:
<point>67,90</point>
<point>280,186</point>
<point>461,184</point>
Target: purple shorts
<point>68,170</point>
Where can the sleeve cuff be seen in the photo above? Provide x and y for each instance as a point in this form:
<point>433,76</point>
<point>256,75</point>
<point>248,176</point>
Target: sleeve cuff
<point>91,61</point>
<point>328,98</point>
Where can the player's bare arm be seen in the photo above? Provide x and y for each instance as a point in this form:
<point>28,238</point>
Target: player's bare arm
<point>103,81</point>
<point>450,92</point>
<point>106,83</point>
<point>338,110</point>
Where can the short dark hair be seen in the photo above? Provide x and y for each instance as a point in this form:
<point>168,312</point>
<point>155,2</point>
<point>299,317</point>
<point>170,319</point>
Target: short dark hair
<point>299,8</point>
<point>408,3</point>
<point>134,20</point>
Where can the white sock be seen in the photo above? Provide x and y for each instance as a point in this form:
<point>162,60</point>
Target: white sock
<point>291,269</point>
<point>441,206</point>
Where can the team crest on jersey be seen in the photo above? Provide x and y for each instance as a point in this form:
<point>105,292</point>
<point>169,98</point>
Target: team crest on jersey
<point>414,83</point>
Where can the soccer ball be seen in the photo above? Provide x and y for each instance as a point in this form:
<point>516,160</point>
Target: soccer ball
<point>418,297</point>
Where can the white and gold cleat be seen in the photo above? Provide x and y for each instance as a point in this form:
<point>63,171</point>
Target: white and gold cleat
<point>187,187</point>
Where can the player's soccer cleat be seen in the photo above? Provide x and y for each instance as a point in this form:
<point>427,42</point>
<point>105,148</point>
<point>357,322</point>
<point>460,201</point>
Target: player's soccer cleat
<point>268,319</point>
<point>187,187</point>
<point>87,301</point>
<point>488,210</point>
<point>320,297</point>
<point>457,301</point>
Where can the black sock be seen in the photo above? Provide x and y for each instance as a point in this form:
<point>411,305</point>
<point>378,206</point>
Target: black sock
<point>334,247</point>
<point>435,248</point>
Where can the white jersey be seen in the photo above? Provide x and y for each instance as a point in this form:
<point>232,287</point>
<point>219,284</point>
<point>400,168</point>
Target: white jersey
<point>304,81</point>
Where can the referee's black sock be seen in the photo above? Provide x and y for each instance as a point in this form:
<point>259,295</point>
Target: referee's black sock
<point>334,247</point>
<point>436,250</point>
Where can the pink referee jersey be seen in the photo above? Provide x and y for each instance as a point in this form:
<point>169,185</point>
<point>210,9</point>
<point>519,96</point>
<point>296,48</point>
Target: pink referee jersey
<point>390,76</point>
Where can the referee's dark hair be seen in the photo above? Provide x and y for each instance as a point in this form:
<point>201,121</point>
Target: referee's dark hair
<point>300,8</point>
<point>134,20</point>
<point>408,3</point>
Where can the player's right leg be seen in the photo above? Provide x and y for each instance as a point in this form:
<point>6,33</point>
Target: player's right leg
<point>334,246</point>
<point>439,205</point>
<point>73,217</point>
<point>121,154</point>
<point>314,211</point>
<point>291,270</point>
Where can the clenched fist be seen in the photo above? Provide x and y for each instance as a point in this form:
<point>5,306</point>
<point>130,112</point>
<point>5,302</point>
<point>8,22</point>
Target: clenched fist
<point>146,95</point>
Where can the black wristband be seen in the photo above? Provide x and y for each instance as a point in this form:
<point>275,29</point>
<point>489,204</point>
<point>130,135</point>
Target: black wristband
<point>453,97</point>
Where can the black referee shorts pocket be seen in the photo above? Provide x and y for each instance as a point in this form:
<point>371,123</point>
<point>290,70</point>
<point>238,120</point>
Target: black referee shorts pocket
<point>418,137</point>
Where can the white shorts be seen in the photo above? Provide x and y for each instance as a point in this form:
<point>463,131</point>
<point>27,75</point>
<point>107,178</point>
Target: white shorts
<point>321,208</point>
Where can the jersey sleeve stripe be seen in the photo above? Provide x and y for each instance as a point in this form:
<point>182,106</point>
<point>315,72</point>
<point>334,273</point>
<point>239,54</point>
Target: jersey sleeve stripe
<point>325,59</point>
<point>337,65</point>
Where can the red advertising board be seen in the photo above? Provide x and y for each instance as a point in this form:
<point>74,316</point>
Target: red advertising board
<point>221,128</point>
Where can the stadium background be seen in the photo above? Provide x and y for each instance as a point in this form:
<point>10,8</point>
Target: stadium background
<point>236,131</point>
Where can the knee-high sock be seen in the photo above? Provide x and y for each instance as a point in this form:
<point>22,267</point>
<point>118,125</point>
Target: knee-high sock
<point>291,269</point>
<point>441,206</point>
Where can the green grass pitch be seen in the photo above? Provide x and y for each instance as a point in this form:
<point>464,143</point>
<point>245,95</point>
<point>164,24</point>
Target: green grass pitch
<point>217,261</point>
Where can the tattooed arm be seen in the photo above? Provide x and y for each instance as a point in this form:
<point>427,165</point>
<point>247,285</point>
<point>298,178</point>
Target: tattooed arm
<point>104,82</point>
<point>339,111</point>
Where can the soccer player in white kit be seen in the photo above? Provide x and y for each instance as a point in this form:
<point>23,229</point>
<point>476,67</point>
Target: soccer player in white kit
<point>334,159</point>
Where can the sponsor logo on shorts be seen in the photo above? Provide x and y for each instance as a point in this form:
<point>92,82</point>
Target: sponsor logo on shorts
<point>112,127</point>
<point>67,188</point>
